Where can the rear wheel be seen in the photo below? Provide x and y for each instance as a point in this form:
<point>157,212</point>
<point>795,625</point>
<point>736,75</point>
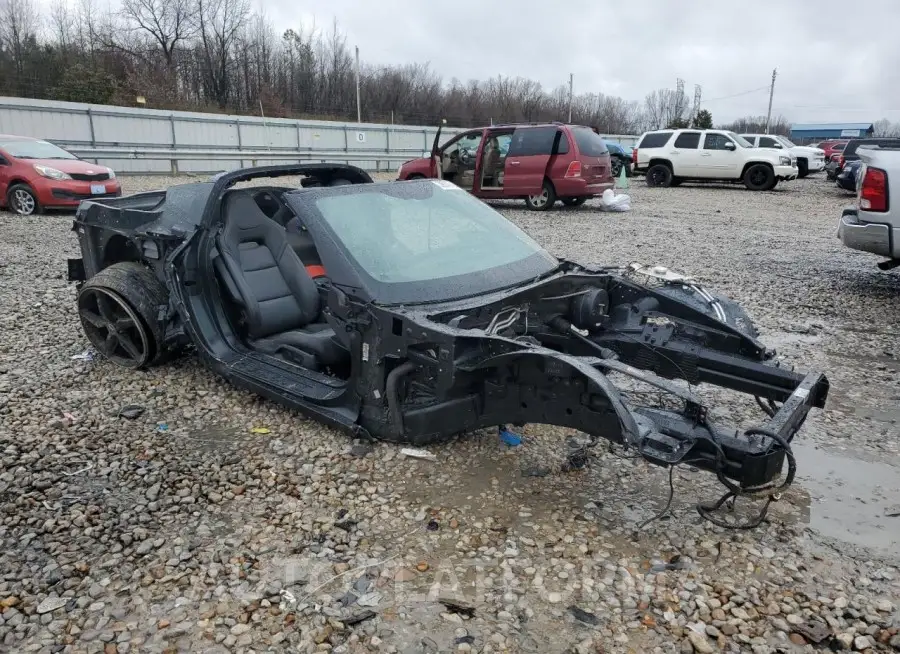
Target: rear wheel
<point>545,200</point>
<point>659,175</point>
<point>615,166</point>
<point>759,177</point>
<point>802,168</point>
<point>21,199</point>
<point>574,202</point>
<point>119,309</point>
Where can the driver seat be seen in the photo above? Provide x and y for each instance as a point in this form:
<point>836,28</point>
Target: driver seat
<point>264,276</point>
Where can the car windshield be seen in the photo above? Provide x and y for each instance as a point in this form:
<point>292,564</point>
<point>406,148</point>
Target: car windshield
<point>427,240</point>
<point>786,142</point>
<point>589,143</point>
<point>34,150</point>
<point>740,140</point>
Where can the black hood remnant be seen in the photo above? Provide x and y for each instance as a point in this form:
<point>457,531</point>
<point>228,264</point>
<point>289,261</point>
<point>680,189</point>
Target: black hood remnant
<point>410,312</point>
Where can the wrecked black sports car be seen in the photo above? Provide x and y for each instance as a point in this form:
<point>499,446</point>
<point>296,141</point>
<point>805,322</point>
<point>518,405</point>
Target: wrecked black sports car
<point>411,312</point>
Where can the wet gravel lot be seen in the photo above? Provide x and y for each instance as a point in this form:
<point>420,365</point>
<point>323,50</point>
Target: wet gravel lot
<point>208,537</point>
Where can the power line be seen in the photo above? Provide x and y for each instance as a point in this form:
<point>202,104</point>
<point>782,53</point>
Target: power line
<point>736,95</point>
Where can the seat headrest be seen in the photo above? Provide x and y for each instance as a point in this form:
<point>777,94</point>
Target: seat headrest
<point>242,212</point>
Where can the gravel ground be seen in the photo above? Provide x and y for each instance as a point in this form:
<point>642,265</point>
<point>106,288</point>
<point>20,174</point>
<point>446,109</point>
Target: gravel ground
<point>117,537</point>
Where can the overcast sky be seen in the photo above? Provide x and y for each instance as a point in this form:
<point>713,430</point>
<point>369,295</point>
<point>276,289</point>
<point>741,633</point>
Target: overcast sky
<point>828,69</point>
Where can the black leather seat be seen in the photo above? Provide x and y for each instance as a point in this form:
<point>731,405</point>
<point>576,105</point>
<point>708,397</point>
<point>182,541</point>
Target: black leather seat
<point>264,276</point>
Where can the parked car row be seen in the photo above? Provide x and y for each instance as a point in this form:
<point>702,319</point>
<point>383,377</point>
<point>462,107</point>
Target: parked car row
<point>671,156</point>
<point>810,159</point>
<point>845,164</point>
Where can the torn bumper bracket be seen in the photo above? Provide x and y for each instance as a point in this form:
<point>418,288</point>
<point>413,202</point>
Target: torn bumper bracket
<point>752,460</point>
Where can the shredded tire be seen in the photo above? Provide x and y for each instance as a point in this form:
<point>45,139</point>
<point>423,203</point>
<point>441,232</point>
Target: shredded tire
<point>144,293</point>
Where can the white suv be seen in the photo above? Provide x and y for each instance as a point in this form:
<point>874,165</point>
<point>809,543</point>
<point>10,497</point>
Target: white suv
<point>809,159</point>
<point>672,156</point>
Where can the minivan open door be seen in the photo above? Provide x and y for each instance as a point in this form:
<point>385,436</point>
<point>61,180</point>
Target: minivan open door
<point>435,166</point>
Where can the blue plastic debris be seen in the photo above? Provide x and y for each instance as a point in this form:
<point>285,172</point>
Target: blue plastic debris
<point>162,426</point>
<point>510,438</point>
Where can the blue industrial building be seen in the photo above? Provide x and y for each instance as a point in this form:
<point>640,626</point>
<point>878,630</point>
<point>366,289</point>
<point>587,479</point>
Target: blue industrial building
<point>803,134</point>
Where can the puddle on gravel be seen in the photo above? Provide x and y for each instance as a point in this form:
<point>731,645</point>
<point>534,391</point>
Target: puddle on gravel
<point>852,499</point>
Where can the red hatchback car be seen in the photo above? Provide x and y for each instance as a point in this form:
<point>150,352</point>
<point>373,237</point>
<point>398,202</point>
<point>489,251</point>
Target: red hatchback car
<point>832,147</point>
<point>36,175</point>
<point>540,163</point>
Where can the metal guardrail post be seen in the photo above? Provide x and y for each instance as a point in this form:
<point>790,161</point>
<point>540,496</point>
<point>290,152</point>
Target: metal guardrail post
<point>173,163</point>
<point>346,142</point>
<point>90,115</point>
<point>237,124</point>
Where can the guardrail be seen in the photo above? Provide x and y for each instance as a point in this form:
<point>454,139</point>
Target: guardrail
<point>253,156</point>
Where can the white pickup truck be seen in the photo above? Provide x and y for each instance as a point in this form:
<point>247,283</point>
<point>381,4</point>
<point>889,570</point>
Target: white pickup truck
<point>809,159</point>
<point>873,225</point>
<point>671,156</point>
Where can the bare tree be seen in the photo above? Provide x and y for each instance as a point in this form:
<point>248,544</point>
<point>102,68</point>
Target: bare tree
<point>757,125</point>
<point>665,108</point>
<point>62,24</point>
<point>18,27</point>
<point>886,128</point>
<point>220,21</point>
<point>168,23</point>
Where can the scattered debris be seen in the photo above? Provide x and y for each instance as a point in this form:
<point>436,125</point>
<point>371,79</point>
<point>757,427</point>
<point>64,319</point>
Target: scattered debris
<point>416,453</point>
<point>288,600</point>
<point>422,566</point>
<point>510,438</point>
<point>609,201</point>
<point>455,604</point>
<point>260,430</point>
<point>813,631</point>
<point>675,563</point>
<point>78,472</point>
<point>361,449</point>
<point>162,427</point>
<point>359,617</point>
<point>131,411</point>
<point>346,525</point>
<point>468,639</point>
<point>369,599</point>
<point>432,525</point>
<point>87,355</point>
<point>584,616</point>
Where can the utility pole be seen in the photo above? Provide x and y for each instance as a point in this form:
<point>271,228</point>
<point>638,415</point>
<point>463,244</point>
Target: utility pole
<point>771,93</point>
<point>698,91</point>
<point>571,81</point>
<point>358,108</point>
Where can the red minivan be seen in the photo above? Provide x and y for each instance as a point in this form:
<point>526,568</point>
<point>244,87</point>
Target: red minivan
<point>541,163</point>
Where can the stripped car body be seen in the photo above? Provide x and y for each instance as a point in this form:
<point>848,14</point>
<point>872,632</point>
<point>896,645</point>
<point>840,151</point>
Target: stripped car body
<point>434,316</point>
